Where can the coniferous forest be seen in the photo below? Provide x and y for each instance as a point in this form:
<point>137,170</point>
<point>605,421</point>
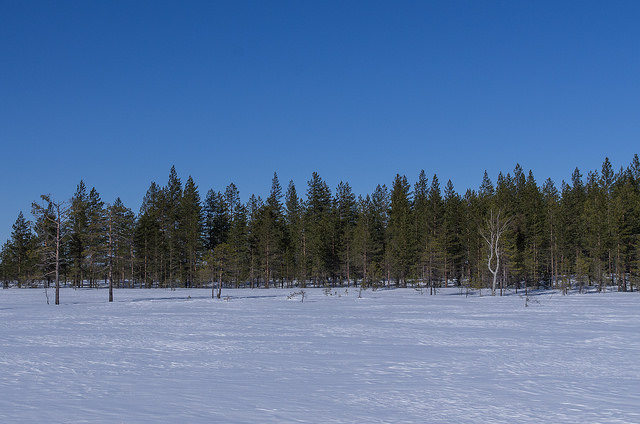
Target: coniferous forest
<point>514,233</point>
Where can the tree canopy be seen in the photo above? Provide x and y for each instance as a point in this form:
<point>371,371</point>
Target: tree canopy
<point>582,232</point>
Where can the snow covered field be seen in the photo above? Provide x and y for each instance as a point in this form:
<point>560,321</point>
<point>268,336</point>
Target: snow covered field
<point>391,356</point>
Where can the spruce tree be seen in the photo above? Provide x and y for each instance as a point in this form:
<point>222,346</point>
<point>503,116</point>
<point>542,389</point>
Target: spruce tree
<point>421,228</point>
<point>78,234</point>
<point>594,215</point>
<point>295,241</point>
<point>20,256</point>
<point>5,265</point>
<point>190,229</point>
<point>254,208</point>
<point>572,230</point>
<point>480,207</point>
<point>345,210</point>
<point>623,225</point>
<point>148,235</point>
<point>363,238</point>
<point>237,237</point>
<point>515,240</point>
<point>551,197</point>
<point>434,252</point>
<point>121,237</point>
<point>400,231</point>
<point>532,206</point>
<point>607,182</point>
<point>96,249</point>
<point>318,229</point>
<point>473,270</point>
<point>380,204</point>
<point>270,232</point>
<point>452,228</point>
<point>217,219</point>
<point>170,224</point>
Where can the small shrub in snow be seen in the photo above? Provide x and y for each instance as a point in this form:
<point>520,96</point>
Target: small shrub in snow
<point>301,293</point>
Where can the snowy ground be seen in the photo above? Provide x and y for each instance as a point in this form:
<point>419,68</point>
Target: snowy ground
<point>392,356</point>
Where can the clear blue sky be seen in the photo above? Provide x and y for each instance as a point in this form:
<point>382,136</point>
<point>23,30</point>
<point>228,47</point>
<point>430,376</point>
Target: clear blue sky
<point>116,92</point>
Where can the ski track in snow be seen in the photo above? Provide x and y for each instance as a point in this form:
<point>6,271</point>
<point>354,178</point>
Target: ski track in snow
<point>391,356</point>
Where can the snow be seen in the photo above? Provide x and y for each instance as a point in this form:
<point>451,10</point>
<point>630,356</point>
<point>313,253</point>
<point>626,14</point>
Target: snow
<point>257,356</point>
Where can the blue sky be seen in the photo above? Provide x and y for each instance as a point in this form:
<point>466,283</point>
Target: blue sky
<point>116,92</point>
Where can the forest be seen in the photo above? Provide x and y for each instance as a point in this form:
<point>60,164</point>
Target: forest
<point>514,233</point>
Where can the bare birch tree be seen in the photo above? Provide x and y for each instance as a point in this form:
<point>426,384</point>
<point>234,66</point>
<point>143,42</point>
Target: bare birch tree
<point>56,214</point>
<point>495,226</point>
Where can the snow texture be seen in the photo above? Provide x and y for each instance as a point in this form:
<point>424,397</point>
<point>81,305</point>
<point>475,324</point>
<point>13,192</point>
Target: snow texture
<point>257,356</point>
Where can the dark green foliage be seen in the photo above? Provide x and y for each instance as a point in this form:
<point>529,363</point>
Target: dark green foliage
<point>96,247</point>
<point>453,235</point>
<point>121,225</point>
<point>190,232</point>
<point>345,220</point>
<point>18,253</point>
<point>401,235</point>
<point>237,236</point>
<point>270,234</point>
<point>147,237</point>
<point>217,220</point>
<point>319,231</point>
<point>79,234</point>
<point>295,242</point>
<point>585,233</point>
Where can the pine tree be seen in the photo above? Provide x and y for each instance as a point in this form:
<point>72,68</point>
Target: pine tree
<point>121,224</point>
<point>148,235</point>
<point>515,239</point>
<point>270,232</point>
<point>473,272</point>
<point>551,198</point>
<point>595,218</point>
<point>217,219</point>
<point>572,230</point>
<point>5,265</point>
<point>401,243</point>
<point>532,209</point>
<point>433,253</point>
<point>345,209</point>
<point>254,207</point>
<point>421,228</point>
<point>170,224</point>
<point>237,238</point>
<point>295,236</point>
<point>96,246</point>
<point>190,231</point>
<point>486,189</point>
<point>363,238</point>
<point>607,182</point>
<point>453,224</point>
<point>318,229</point>
<point>20,257</point>
<point>624,221</point>
<point>380,205</point>
<point>78,234</point>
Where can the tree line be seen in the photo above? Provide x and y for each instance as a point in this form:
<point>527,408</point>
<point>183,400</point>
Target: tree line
<point>585,232</point>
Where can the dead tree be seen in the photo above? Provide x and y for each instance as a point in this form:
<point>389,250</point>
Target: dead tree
<point>54,214</point>
<point>495,226</point>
